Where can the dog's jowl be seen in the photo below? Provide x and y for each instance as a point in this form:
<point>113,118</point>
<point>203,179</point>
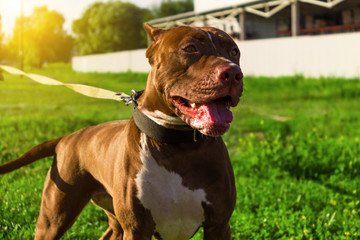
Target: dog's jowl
<point>166,171</point>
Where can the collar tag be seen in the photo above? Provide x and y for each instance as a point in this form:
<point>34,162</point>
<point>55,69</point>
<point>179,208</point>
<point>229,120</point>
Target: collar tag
<point>195,140</point>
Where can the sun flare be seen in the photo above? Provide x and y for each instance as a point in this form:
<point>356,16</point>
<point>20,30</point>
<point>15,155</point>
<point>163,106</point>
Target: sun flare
<point>11,7</point>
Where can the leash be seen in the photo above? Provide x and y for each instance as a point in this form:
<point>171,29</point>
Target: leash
<point>142,121</point>
<point>80,88</point>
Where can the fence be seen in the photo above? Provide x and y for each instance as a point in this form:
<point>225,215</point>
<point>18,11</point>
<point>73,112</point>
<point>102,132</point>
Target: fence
<point>112,62</point>
<point>322,55</point>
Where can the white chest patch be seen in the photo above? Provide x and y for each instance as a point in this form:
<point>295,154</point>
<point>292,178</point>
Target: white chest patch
<point>176,210</point>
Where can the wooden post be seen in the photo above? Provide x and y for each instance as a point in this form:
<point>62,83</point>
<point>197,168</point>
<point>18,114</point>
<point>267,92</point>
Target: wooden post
<point>295,18</point>
<point>242,19</point>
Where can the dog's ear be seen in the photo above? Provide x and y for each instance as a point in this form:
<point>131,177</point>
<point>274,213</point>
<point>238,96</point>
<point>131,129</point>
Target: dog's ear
<point>153,32</point>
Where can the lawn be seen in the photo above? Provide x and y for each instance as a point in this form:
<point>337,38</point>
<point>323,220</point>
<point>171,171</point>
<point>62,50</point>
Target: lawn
<point>294,145</point>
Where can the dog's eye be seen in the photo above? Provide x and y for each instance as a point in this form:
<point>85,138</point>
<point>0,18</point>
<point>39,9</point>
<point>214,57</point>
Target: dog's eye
<point>234,52</point>
<point>190,49</point>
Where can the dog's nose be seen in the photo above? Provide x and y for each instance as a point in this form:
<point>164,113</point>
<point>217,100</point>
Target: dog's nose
<point>230,74</point>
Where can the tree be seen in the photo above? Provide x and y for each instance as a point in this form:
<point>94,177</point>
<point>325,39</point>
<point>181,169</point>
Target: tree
<point>110,26</point>
<point>44,39</point>
<point>172,7</point>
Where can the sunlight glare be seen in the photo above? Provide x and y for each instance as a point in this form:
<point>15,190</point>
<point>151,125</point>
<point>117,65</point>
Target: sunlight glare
<point>11,7</point>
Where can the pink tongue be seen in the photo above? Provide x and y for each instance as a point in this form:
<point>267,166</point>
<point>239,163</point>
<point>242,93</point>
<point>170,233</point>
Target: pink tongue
<point>215,111</point>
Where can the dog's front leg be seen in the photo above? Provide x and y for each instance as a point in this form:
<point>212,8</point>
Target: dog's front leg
<point>217,232</point>
<point>134,219</point>
<point>136,235</point>
<point>138,231</point>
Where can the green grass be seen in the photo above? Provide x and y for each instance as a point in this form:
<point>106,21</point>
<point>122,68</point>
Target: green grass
<point>298,179</point>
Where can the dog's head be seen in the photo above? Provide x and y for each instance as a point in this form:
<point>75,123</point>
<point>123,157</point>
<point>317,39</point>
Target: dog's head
<point>195,75</point>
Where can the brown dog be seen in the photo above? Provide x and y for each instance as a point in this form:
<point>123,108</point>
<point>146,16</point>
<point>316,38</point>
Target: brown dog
<point>166,171</point>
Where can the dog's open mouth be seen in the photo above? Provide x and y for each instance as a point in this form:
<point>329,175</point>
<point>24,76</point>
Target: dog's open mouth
<point>210,118</point>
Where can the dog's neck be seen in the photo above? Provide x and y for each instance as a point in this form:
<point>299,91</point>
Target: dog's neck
<point>152,104</point>
<point>151,101</point>
<point>157,127</point>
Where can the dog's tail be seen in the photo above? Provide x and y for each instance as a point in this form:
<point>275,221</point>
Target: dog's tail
<point>45,149</point>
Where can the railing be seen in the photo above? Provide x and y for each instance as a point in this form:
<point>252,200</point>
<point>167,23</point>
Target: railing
<point>327,29</point>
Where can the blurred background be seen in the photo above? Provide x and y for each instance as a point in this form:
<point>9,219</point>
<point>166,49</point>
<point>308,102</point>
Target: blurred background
<point>308,37</point>
<point>35,32</point>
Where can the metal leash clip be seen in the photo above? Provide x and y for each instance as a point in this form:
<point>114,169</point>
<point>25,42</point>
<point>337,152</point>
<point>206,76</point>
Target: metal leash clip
<point>129,99</point>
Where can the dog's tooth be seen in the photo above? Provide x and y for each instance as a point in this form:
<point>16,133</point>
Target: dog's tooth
<point>193,105</point>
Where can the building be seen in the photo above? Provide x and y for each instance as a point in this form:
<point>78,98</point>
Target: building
<point>314,38</point>
<point>259,19</point>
